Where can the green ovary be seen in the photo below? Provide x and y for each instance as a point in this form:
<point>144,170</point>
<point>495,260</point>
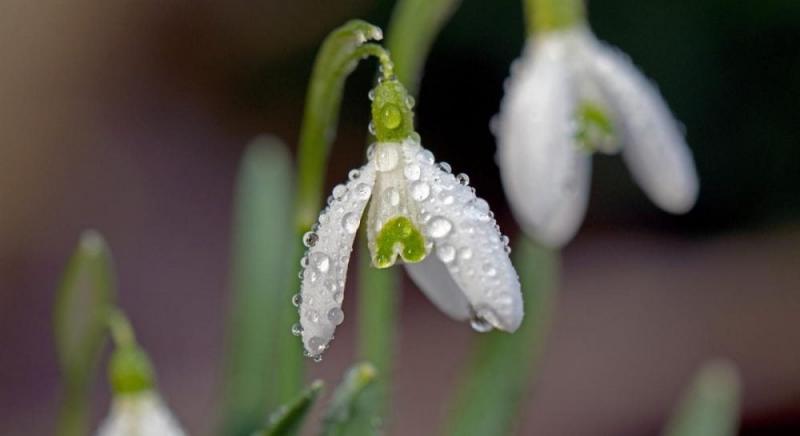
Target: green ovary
<point>398,236</point>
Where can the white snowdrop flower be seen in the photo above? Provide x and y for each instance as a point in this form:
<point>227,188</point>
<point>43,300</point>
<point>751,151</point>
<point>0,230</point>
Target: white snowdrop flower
<point>139,414</point>
<point>419,213</point>
<point>569,96</point>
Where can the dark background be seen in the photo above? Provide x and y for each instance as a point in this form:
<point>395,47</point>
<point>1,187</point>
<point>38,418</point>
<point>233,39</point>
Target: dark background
<point>130,117</point>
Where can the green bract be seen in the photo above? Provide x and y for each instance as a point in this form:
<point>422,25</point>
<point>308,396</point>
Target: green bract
<point>399,236</point>
<point>392,117</point>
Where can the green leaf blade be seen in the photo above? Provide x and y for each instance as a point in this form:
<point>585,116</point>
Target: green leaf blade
<point>344,410</point>
<point>288,419</point>
<point>85,294</point>
<point>263,367</point>
<point>502,365</point>
<point>710,406</point>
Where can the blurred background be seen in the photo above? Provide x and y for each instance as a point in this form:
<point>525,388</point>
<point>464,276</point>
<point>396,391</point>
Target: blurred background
<point>130,117</point>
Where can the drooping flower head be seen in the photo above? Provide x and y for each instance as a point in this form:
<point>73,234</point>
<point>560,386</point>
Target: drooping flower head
<point>569,96</point>
<point>420,214</point>
<point>136,408</point>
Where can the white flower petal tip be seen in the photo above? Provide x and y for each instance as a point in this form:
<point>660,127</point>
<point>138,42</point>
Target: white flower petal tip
<point>324,266</point>
<point>139,414</point>
<point>544,165</point>
<point>471,276</point>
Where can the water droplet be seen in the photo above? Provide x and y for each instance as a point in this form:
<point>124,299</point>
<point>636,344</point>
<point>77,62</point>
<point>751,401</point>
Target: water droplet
<point>481,205</point>
<point>297,299</point>
<point>489,269</point>
<point>312,276</point>
<point>297,329</point>
<point>312,315</point>
<point>465,253</point>
<point>410,102</point>
<point>338,297</point>
<point>371,94</point>
<point>387,158</point>
<point>371,151</point>
<point>339,191</point>
<point>320,261</point>
<point>317,358</point>
<point>330,286</point>
<point>504,239</point>
<point>354,174</point>
<point>304,261</point>
<point>420,191</point>
<point>507,249</point>
<point>391,196</point>
<point>335,316</point>
<point>425,156</point>
<point>362,191</point>
<point>412,171</point>
<point>446,198</point>
<point>444,166</point>
<point>350,222</point>
<point>463,179</point>
<point>316,345</point>
<point>371,128</point>
<point>309,239</point>
<point>446,253</point>
<point>439,227</point>
<point>479,324</point>
<point>414,138</point>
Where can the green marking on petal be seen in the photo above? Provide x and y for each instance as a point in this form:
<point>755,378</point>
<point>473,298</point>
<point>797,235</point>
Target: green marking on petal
<point>400,237</point>
<point>595,129</point>
<point>392,116</point>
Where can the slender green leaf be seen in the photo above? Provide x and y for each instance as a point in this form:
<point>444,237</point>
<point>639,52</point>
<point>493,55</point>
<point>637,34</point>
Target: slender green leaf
<point>84,296</point>
<point>336,59</point>
<point>344,410</point>
<point>710,406</point>
<point>502,364</point>
<point>264,361</point>
<point>412,30</point>
<point>288,419</point>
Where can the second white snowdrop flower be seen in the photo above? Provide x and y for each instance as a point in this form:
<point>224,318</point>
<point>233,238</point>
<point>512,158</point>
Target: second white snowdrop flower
<point>420,214</point>
<point>136,408</point>
<point>570,96</point>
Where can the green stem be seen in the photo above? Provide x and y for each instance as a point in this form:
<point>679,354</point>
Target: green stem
<point>337,58</point>
<point>120,328</point>
<point>412,30</point>
<point>550,15</point>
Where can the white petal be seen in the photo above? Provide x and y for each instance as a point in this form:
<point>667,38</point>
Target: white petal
<point>466,240</point>
<point>543,169</point>
<point>324,275</point>
<point>434,280</point>
<point>654,148</point>
<point>142,414</point>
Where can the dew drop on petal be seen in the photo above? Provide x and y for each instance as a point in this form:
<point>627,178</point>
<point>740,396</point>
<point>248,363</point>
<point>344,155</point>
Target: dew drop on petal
<point>425,156</point>
<point>354,174</point>
<point>465,253</point>
<point>350,222</point>
<point>304,261</point>
<point>339,191</point>
<point>312,315</point>
<point>420,190</point>
<point>446,253</point>
<point>317,358</point>
<point>414,138</point>
<point>479,324</point>
<point>362,191</point>
<point>309,239</point>
<point>335,316</point>
<point>439,227</point>
<point>463,179</point>
<point>412,171</point>
<point>316,345</point>
<point>386,158</point>
<point>410,102</point>
<point>297,329</point>
<point>371,128</point>
<point>320,261</point>
<point>444,166</point>
<point>338,297</point>
<point>391,196</point>
<point>371,94</point>
<point>296,300</point>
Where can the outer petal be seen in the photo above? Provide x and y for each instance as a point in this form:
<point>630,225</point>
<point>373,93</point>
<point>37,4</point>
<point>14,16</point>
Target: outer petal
<point>142,414</point>
<point>325,263</point>
<point>654,147</point>
<point>544,170</point>
<point>467,241</point>
<point>434,280</point>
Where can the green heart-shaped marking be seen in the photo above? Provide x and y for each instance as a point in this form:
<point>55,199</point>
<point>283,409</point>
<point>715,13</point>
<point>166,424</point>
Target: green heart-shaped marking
<point>398,236</point>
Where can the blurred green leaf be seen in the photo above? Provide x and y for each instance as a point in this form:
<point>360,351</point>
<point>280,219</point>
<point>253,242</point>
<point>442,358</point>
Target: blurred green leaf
<point>344,410</point>
<point>288,419</point>
<point>264,361</point>
<point>86,293</point>
<point>502,365</point>
<point>413,28</point>
<point>710,406</point>
<point>336,59</point>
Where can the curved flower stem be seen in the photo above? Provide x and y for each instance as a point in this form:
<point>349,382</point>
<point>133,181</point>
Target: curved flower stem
<point>412,30</point>
<point>337,58</point>
<point>120,328</point>
<point>549,15</point>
